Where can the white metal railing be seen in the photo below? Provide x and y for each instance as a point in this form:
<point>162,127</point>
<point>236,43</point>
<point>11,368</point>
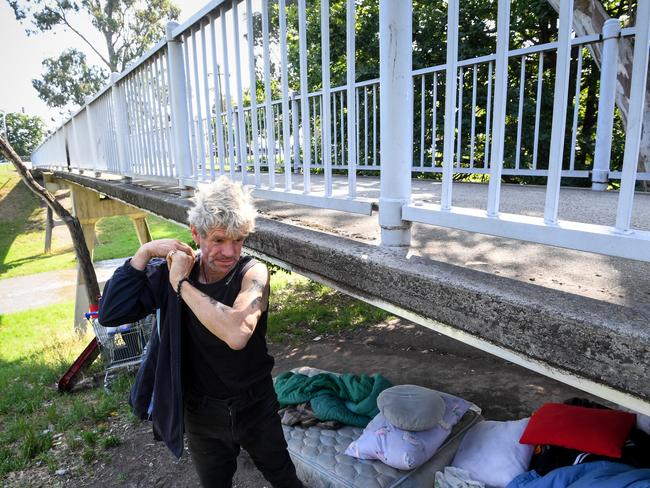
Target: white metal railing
<point>187,112</point>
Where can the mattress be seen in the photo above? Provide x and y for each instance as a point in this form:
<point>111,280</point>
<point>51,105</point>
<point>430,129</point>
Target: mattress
<point>321,463</point>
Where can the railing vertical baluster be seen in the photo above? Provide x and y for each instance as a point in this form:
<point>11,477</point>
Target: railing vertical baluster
<point>335,131</point>
<point>538,107</point>
<point>226,76</point>
<point>342,131</point>
<point>634,117</point>
<point>158,77</point>
<point>155,138</point>
<point>206,98</point>
<point>218,109</point>
<point>434,123</point>
<point>576,107</point>
<point>132,128</point>
<point>606,102</point>
<point>315,145</point>
<point>304,97</point>
<point>488,118</point>
<point>242,152</point>
<point>137,85</point>
<point>365,126</point>
<point>422,111</point>
<point>174,171</point>
<point>473,120</point>
<point>450,104</point>
<point>499,115</point>
<point>120,121</point>
<point>396,112</point>
<point>520,112</point>
<point>268,97</point>
<point>190,104</point>
<point>285,95</point>
<point>357,120</point>
<point>374,124</point>
<point>155,119</point>
<point>252,77</point>
<point>179,116</point>
<point>295,125</point>
<point>350,19</point>
<point>459,122</point>
<point>559,112</point>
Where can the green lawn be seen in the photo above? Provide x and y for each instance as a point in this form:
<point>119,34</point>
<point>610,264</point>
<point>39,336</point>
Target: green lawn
<point>22,233</point>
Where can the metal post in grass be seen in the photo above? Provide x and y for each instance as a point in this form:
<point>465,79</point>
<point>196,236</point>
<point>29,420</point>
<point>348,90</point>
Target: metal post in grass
<point>396,114</point>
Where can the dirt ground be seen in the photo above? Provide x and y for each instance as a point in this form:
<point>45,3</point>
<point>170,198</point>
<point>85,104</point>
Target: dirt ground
<point>401,351</point>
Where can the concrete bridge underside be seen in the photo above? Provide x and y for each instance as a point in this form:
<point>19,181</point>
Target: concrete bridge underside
<point>580,318</point>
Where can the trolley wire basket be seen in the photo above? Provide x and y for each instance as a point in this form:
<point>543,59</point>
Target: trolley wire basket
<point>123,346</point>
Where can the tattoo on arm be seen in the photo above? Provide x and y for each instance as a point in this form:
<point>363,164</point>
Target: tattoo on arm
<point>256,286</point>
<point>214,302</point>
<point>256,303</point>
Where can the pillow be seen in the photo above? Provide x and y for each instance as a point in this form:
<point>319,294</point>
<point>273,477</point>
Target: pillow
<point>491,453</point>
<point>592,430</point>
<point>403,449</point>
<point>411,407</point>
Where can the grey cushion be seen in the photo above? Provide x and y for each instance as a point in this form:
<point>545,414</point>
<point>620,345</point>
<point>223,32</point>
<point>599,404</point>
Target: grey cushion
<point>411,407</point>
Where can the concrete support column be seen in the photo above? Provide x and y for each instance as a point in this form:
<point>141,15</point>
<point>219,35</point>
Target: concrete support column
<point>142,229</point>
<point>396,114</point>
<point>121,124</point>
<point>180,120</point>
<point>606,101</point>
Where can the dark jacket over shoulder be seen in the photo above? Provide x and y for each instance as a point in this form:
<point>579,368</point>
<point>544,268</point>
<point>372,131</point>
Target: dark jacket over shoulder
<point>131,295</point>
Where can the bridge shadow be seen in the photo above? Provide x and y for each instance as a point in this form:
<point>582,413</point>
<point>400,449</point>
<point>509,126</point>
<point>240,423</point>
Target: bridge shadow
<point>17,207</point>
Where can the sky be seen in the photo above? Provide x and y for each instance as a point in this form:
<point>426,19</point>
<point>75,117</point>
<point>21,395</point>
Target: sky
<point>21,58</point>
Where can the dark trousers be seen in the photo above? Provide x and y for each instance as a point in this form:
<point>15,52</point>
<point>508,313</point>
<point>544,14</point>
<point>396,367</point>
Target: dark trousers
<point>217,429</point>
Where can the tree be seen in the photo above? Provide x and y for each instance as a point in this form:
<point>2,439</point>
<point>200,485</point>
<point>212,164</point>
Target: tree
<point>128,27</point>
<point>24,132</point>
<point>68,79</point>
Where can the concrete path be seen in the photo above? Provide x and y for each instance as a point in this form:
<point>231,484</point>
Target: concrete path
<point>49,288</point>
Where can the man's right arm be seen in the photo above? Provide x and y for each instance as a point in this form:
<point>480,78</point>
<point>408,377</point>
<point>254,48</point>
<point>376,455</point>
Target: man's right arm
<point>134,290</point>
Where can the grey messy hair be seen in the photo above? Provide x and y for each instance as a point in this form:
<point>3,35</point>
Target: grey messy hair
<point>223,204</point>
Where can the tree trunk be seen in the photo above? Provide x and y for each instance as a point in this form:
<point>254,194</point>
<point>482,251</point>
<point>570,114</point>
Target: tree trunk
<point>588,18</point>
<point>81,250</point>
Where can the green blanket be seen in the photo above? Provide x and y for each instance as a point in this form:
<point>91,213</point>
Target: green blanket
<point>347,398</point>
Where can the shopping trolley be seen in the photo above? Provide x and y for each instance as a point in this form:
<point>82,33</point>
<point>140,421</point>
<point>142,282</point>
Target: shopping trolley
<point>123,346</point>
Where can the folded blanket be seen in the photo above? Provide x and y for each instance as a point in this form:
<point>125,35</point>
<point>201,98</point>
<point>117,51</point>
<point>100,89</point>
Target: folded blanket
<point>598,474</point>
<point>347,398</point>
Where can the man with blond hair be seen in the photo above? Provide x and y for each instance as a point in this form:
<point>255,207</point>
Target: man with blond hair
<point>207,372</point>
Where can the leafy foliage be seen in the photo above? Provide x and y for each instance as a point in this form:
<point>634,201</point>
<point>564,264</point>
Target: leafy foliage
<point>129,28</point>
<point>24,132</point>
<point>68,79</point>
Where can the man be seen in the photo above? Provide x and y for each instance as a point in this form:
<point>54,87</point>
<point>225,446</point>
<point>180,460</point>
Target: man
<point>207,367</point>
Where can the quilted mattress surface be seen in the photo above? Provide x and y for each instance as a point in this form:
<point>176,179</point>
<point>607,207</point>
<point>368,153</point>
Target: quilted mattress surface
<point>321,463</point>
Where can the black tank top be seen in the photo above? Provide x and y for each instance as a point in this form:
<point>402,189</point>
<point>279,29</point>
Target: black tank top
<point>209,366</point>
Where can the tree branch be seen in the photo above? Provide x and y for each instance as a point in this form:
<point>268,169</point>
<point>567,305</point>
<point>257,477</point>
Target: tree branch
<point>81,250</point>
<point>83,38</point>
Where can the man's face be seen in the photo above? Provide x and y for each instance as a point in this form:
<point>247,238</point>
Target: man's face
<point>219,252</point>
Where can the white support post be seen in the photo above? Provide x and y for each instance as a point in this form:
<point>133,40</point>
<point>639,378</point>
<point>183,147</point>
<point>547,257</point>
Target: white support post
<point>560,98</point>
<point>268,99</point>
<point>326,111</point>
<point>179,118</point>
<point>285,96</point>
<point>396,115</point>
<point>499,114</point>
<point>450,105</point>
<point>253,90</point>
<point>606,102</point>
<point>634,117</point>
<point>304,98</point>
<point>351,96</point>
<point>92,135</point>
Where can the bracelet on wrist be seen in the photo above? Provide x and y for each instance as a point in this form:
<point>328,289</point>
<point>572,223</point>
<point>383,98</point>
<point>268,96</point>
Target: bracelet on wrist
<point>178,287</point>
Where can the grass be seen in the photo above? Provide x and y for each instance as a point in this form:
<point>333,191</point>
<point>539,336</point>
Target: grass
<point>36,347</point>
<point>22,233</point>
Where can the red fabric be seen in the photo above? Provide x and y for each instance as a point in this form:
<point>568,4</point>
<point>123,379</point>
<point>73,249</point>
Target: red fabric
<point>593,430</point>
